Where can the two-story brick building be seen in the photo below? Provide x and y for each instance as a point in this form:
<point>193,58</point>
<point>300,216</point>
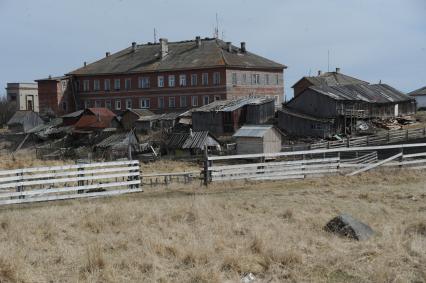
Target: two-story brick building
<point>174,76</point>
<point>55,96</point>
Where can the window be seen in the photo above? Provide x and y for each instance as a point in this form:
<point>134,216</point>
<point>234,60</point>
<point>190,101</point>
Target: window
<point>216,78</point>
<point>205,79</point>
<point>244,78</point>
<point>108,104</point>
<point>128,84</point>
<point>77,85</point>
<point>255,79</point>
<point>98,104</point>
<point>217,97</point>
<point>64,106</point>
<point>172,103</point>
<point>96,85</point>
<point>276,98</point>
<point>107,84</point>
<point>144,103</point>
<point>266,79</point>
<point>143,82</point>
<point>234,78</point>
<point>194,79</point>
<point>160,81</point>
<point>128,103</point>
<point>171,81</point>
<point>64,85</point>
<point>206,100</point>
<point>182,80</point>
<point>195,101</point>
<point>117,104</point>
<point>86,85</point>
<point>117,85</point>
<point>161,102</point>
<point>86,104</point>
<point>277,77</point>
<point>183,102</point>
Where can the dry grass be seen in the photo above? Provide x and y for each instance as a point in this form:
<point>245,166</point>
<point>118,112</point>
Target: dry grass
<point>193,234</point>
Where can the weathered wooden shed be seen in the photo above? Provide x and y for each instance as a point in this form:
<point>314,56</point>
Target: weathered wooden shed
<point>24,121</point>
<point>258,139</point>
<point>130,116</point>
<point>191,143</point>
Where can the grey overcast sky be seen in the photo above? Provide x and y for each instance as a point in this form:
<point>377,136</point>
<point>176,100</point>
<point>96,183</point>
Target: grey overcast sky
<point>370,39</point>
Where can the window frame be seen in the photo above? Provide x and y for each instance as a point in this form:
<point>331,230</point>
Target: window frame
<point>204,99</point>
<point>86,85</point>
<point>162,104</point>
<point>194,100</point>
<point>183,98</point>
<point>234,78</point>
<point>172,105</point>
<point>171,81</point>
<point>117,104</point>
<point>127,83</point>
<point>194,79</point>
<point>129,101</point>
<point>107,84</point>
<point>205,79</point>
<point>143,101</point>
<point>96,85</point>
<point>108,104</point>
<point>182,80</point>
<point>98,103</point>
<point>117,86</point>
<point>160,79</point>
<point>216,78</point>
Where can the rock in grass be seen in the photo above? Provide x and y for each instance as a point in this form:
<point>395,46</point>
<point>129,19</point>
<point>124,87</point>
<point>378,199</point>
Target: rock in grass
<point>347,226</point>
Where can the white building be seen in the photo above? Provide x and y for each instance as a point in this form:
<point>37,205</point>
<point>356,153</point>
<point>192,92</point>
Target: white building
<point>420,96</point>
<point>24,94</point>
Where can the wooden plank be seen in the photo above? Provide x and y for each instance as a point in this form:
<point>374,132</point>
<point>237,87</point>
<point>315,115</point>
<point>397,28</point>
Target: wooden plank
<point>68,167</point>
<point>280,178</point>
<point>374,165</point>
<point>279,154</point>
<point>70,173</point>
<point>73,196</point>
<point>170,174</point>
<point>64,180</point>
<point>69,189</point>
<point>414,155</point>
<point>250,176</point>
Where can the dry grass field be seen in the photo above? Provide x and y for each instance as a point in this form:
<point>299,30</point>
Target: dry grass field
<point>193,234</point>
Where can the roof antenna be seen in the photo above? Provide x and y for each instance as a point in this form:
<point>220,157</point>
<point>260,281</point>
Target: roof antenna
<point>216,29</point>
<point>155,35</point>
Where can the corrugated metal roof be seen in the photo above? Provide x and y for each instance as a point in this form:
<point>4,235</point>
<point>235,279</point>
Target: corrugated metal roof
<point>418,92</point>
<point>94,122</point>
<point>332,79</point>
<point>194,140</point>
<point>257,131</point>
<point>181,55</point>
<point>231,104</point>
<point>377,93</point>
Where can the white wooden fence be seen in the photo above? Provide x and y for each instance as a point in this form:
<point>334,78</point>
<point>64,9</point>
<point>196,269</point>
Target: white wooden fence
<point>310,163</point>
<point>69,182</point>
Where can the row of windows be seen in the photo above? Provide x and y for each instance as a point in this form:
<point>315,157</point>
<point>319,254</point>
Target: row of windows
<point>184,101</point>
<point>255,79</point>
<point>144,82</point>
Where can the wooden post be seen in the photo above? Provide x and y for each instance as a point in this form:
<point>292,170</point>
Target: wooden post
<point>401,159</point>
<point>368,140</point>
<point>406,134</point>
<point>348,143</point>
<point>206,167</point>
<point>20,188</point>
<point>80,183</point>
<point>388,137</point>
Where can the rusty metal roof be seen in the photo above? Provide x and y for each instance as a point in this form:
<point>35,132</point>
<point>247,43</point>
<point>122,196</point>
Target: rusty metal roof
<point>99,111</point>
<point>181,55</point>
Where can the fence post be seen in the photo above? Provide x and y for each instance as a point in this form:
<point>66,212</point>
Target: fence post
<point>206,167</point>
<point>348,142</point>
<point>401,159</point>
<point>406,134</point>
<point>80,183</point>
<point>424,131</point>
<point>20,188</point>
<point>388,136</point>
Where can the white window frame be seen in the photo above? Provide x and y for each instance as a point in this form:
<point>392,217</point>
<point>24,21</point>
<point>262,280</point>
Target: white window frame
<point>204,99</point>
<point>64,85</point>
<point>161,105</point>
<point>183,101</point>
<point>86,85</point>
<point>108,104</point>
<point>144,103</point>
<point>205,79</point>
<point>96,85</point>
<point>216,78</point>
<point>234,79</point>
<point>194,100</point>
<point>172,80</point>
<point>86,104</point>
<point>118,104</point>
<point>194,79</point>
<point>244,78</point>
<point>117,84</point>
<point>182,80</point>
<point>160,81</point>
<point>143,82</point>
<point>107,84</point>
<point>127,83</point>
<point>129,103</point>
<point>172,102</point>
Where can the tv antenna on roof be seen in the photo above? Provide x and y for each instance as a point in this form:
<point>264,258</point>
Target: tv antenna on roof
<point>155,35</point>
<point>216,29</point>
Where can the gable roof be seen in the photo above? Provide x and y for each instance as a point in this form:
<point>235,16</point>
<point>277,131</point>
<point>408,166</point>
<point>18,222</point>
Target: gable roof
<point>193,140</point>
<point>99,111</point>
<point>418,92</point>
<point>256,131</point>
<point>140,112</point>
<point>95,118</point>
<point>27,119</point>
<point>377,93</point>
<point>181,55</point>
<point>332,79</point>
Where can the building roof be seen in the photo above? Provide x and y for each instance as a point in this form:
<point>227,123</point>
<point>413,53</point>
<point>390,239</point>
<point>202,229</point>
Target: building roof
<point>256,131</point>
<point>95,118</point>
<point>377,93</point>
<point>332,79</point>
<point>140,112</point>
<point>50,78</point>
<point>298,114</point>
<point>192,140</point>
<point>181,55</point>
<point>73,114</point>
<point>27,119</point>
<point>99,111</point>
<point>231,104</point>
<point>119,140</point>
<point>418,92</point>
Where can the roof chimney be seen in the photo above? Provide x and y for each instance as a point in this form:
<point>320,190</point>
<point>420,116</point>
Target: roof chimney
<point>229,46</point>
<point>85,64</point>
<point>50,76</point>
<point>243,47</point>
<point>133,46</point>
<point>107,54</point>
<point>198,41</point>
<point>337,70</point>
<point>164,47</point>
<point>319,73</point>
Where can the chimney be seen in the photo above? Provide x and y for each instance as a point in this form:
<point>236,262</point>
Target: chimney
<point>85,63</point>
<point>337,70</point>
<point>164,47</point>
<point>319,73</point>
<point>243,47</point>
<point>229,46</point>
<point>133,46</point>
<point>107,54</point>
<point>198,41</point>
<point>50,76</point>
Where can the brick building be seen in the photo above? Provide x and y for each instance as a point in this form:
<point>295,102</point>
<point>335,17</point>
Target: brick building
<point>174,76</point>
<point>55,96</point>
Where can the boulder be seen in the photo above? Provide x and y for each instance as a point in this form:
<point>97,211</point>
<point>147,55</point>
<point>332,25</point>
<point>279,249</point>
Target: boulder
<point>347,226</point>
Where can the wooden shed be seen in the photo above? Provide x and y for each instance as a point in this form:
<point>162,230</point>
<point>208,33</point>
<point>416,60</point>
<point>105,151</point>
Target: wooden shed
<point>258,139</point>
<point>130,116</point>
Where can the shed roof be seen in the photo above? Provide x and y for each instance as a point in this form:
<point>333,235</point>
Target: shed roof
<point>256,131</point>
<point>332,79</point>
<point>100,111</point>
<point>119,139</point>
<point>73,114</point>
<point>194,140</point>
<point>140,112</point>
<point>27,119</point>
<point>181,55</point>
<point>418,92</point>
<point>231,104</point>
<point>377,93</point>
<point>299,114</point>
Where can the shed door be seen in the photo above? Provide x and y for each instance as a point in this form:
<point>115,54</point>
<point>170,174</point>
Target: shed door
<point>396,110</point>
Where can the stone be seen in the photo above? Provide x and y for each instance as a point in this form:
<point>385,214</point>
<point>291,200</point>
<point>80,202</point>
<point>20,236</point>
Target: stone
<point>347,226</point>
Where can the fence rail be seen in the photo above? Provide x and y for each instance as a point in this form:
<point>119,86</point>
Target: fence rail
<point>69,181</point>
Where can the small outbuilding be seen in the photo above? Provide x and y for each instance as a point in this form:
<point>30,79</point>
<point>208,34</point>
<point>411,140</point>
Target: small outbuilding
<point>24,121</point>
<point>71,118</point>
<point>130,116</point>
<point>117,145</point>
<point>258,139</point>
<point>420,96</point>
<point>191,143</point>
